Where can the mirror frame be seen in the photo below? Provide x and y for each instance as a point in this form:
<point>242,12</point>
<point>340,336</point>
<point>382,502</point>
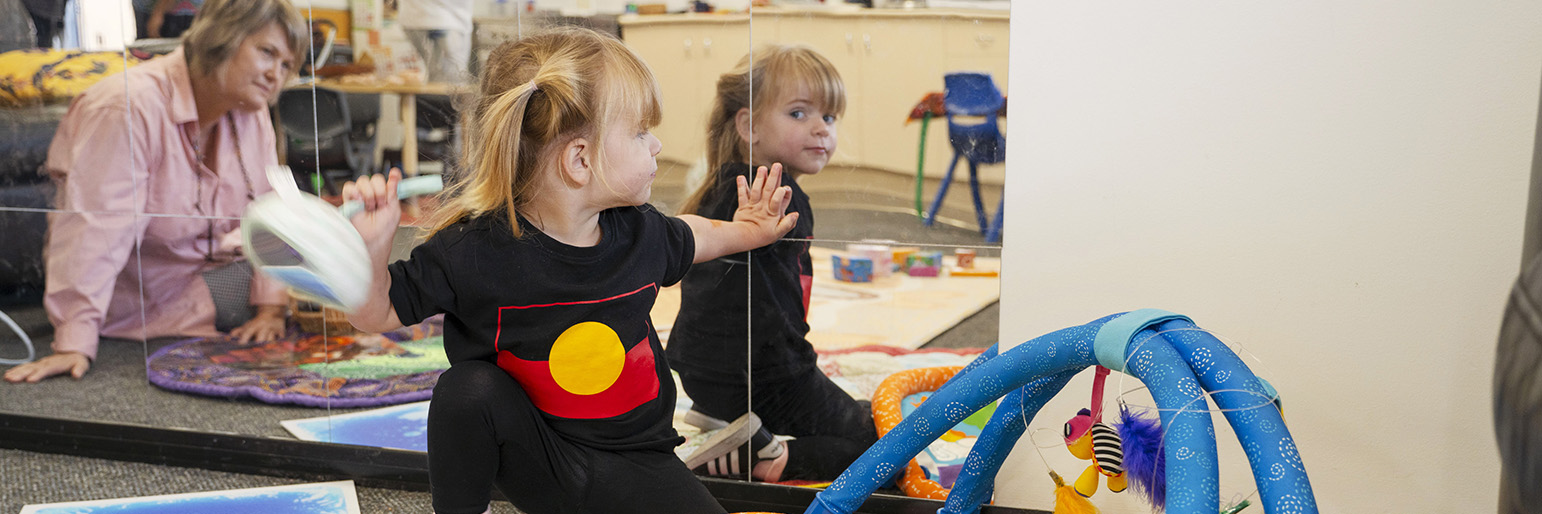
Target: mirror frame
<point>368,466</point>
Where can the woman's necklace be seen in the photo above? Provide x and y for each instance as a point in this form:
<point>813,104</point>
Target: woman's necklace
<point>199,144</point>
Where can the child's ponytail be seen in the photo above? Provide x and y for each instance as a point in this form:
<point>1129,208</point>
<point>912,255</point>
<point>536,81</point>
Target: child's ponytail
<point>536,92</point>
<point>498,153</point>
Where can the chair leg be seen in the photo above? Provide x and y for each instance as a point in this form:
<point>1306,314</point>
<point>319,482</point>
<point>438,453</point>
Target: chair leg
<point>974,188</point>
<point>994,234</point>
<point>942,190</point>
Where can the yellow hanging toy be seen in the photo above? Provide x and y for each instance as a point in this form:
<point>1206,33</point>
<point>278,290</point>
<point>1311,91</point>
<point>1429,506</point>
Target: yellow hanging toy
<point>1089,438</point>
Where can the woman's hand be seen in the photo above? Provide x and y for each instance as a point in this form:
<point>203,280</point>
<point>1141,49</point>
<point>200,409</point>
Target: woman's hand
<point>267,325</point>
<point>382,211</point>
<point>75,364</point>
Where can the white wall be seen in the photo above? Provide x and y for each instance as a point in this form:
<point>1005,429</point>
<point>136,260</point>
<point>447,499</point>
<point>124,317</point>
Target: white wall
<point>1338,184</point>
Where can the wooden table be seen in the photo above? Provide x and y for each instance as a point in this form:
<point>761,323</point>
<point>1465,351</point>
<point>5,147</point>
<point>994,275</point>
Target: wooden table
<point>408,94</point>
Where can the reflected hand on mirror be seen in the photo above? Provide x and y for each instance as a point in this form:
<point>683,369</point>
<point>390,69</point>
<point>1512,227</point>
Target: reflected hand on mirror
<point>75,364</point>
<point>764,203</point>
<point>267,325</point>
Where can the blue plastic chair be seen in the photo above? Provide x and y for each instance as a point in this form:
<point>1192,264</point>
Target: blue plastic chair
<point>973,94</point>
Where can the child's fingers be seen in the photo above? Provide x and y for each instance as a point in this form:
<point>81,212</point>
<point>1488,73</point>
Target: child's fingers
<point>786,224</point>
<point>377,187</point>
<point>779,198</point>
<point>366,190</point>
<point>392,181</point>
<point>773,181</point>
<point>757,187</point>
<point>775,178</point>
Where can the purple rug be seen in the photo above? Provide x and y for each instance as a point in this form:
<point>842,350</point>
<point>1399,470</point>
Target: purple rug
<point>360,370</point>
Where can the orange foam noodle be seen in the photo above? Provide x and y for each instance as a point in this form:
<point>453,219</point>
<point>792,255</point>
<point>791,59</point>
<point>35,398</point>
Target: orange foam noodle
<point>887,415</point>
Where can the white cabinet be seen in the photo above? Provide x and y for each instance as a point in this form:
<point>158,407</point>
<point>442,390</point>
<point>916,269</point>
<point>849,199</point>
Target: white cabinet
<point>687,53</point>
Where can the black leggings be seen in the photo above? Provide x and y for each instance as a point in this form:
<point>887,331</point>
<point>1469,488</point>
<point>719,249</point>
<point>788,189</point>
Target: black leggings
<point>832,428</point>
<point>483,431</point>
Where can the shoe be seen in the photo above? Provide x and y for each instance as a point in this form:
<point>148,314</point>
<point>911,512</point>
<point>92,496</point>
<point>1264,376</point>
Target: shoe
<point>738,464</point>
<point>717,455</point>
<point>697,419</point>
<point>769,447</point>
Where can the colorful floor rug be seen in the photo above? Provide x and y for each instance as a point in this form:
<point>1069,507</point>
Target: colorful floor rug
<point>362,370</point>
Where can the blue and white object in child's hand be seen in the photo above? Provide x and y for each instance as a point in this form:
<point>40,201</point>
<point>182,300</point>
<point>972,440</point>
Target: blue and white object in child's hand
<point>310,246</point>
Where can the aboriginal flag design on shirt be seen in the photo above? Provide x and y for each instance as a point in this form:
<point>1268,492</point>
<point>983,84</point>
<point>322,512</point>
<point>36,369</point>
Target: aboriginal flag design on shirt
<point>598,363</point>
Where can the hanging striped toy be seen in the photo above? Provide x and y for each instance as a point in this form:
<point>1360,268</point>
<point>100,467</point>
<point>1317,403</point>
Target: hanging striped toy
<point>1089,438</point>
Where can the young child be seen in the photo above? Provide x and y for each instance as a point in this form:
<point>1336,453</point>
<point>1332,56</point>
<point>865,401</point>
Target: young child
<point>798,97</point>
<point>546,260</point>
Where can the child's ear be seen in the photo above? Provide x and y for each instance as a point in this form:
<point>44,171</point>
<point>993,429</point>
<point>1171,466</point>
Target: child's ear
<point>744,124</point>
<point>577,162</point>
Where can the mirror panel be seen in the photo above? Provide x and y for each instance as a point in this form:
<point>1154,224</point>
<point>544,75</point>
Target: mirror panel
<point>889,59</point>
<point>885,271</point>
<point>79,49</point>
<point>687,52</point>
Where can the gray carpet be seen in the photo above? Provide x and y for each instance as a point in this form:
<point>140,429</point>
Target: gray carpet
<point>34,478</point>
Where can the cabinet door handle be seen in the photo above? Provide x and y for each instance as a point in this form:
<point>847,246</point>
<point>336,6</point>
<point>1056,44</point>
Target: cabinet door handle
<point>985,39</point>
<point>867,41</point>
<point>687,47</point>
<point>849,43</point>
<point>706,45</point>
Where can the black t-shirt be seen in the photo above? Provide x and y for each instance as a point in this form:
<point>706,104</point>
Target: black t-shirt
<point>708,338</point>
<point>570,324</point>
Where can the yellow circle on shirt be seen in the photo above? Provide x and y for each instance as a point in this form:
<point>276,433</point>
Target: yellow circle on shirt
<point>587,358</point>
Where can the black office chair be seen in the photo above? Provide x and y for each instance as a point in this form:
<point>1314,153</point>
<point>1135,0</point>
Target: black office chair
<point>437,128</point>
<point>363,119</point>
<point>317,128</point>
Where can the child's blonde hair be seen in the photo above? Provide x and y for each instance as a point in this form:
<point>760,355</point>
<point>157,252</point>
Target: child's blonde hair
<point>762,75</point>
<point>539,91</point>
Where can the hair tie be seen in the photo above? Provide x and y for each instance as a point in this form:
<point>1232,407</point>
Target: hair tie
<point>533,86</point>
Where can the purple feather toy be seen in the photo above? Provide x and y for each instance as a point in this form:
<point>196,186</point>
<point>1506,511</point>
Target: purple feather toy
<point>1143,459</point>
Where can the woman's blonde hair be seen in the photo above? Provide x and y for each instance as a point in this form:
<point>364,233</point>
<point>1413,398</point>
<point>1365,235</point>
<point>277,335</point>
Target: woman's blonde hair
<point>761,76</point>
<point>221,25</point>
<point>536,92</point>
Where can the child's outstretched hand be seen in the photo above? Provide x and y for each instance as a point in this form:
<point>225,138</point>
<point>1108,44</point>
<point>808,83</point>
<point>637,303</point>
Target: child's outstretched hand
<point>764,203</point>
<point>382,211</point>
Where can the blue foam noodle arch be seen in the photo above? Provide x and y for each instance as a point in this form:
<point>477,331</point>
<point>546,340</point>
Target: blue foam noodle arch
<point>963,395</point>
<point>1192,469</point>
<point>1193,483</point>
<point>1068,349</point>
<point>977,480</point>
<point>1276,463</point>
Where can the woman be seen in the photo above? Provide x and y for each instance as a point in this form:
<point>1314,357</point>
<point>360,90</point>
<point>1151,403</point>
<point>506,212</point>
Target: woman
<point>154,168</point>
